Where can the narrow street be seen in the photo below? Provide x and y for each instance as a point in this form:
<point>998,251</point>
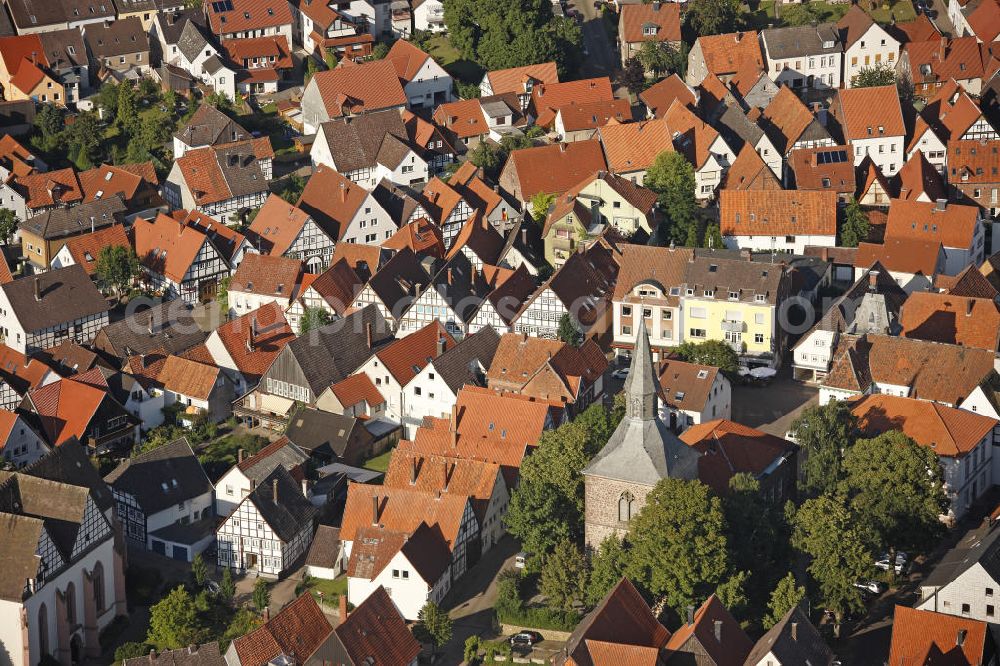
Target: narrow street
<point>600,57</point>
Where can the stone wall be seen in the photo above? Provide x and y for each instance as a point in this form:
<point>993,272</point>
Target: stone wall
<point>601,498</point>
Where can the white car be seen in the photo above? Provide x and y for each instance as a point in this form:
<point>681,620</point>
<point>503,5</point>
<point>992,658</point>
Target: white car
<point>872,586</point>
<point>882,562</point>
<point>621,373</point>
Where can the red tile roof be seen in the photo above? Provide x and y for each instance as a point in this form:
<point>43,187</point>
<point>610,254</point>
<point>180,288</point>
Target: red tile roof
<point>405,357</point>
<point>810,174</point>
<point>85,249</point>
<point>65,408</point>
<point>465,118</point>
<point>949,431</point>
<point>300,628</point>
<point>871,112</point>
<point>985,21</point>
<point>659,96</point>
<point>268,275</point>
<point>634,146</point>
<point>726,54</point>
<point>50,188</point>
<point>250,15</point>
<point>591,115</point>
<point>422,236</point>
<point>271,50</point>
<point>555,168</point>
<point>166,246</point>
<point>375,633</point>
<point>954,226</point>
<point>356,389</point>
<point>402,510</point>
<point>932,639</point>
<point>664,17</point>
<point>16,157</point>
<point>902,255</point>
<point>941,59</point>
<point>548,98</point>
<point>730,448</point>
<point>335,198</point>
<point>107,180</point>
<point>513,80</point>
<point>778,213</point>
<point>188,378</point>
<point>919,177</point>
<point>712,619</point>
<point>974,162</point>
<point>356,89</point>
<point>277,224</point>
<point>956,320</point>
<point>407,58</point>
<point>267,327</point>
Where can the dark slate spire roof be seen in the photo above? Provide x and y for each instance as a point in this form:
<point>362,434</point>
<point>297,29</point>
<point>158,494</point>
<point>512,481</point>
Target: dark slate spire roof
<point>642,449</point>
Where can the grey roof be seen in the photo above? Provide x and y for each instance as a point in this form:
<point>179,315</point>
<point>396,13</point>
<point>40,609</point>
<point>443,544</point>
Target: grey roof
<point>329,354</point>
<point>199,655</point>
<point>841,315</point>
<point>68,463</point>
<point>281,453</point>
<point>20,536</point>
<point>161,478</point>
<point>801,40</point>
<point>117,38</point>
<point>805,647</point>
<point>291,512</point>
<point>64,48</point>
<point>815,131</point>
<point>642,448</point>
<point>761,93</point>
<point>208,126</point>
<point>213,64</point>
<point>734,126</point>
<point>241,169</point>
<point>363,141</point>
<point>325,548</point>
<point>61,506</point>
<point>314,429</point>
<point>962,557</point>
<point>171,25</point>
<point>79,219</point>
<point>465,362</point>
<point>399,202</point>
<point>32,14</point>
<point>747,278</point>
<point>191,40</point>
<point>400,277</point>
<point>67,294</point>
<point>186,533</point>
<point>168,326</point>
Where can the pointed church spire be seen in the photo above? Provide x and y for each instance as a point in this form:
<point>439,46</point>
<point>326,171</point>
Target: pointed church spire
<point>641,386</point>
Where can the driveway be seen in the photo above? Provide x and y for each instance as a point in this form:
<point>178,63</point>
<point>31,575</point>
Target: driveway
<point>470,601</point>
<point>601,58</point>
<point>774,407</point>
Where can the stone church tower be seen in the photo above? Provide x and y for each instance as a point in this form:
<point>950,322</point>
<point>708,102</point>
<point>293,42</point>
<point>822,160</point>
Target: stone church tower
<point>640,452</point>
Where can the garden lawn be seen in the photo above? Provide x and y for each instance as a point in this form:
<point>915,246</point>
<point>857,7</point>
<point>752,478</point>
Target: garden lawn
<point>379,463</point>
<point>900,11</point>
<point>448,57</point>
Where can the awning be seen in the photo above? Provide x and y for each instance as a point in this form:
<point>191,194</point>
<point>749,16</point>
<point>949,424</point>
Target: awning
<point>275,404</point>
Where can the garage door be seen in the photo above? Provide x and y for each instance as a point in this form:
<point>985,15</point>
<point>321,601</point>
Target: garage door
<point>159,547</point>
<point>181,553</point>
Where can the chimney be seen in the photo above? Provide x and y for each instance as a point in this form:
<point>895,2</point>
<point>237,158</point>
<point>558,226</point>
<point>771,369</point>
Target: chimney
<point>91,224</point>
<point>368,331</point>
<point>960,638</point>
<point>440,346</point>
<point>795,631</point>
<point>192,649</point>
<point>969,304</point>
<point>374,509</point>
<point>690,615</point>
<point>239,455</point>
<point>562,147</point>
<point>149,326</point>
<point>453,426</point>
<point>524,236</point>
<point>941,204</point>
<point>343,191</point>
<point>872,280</point>
<point>413,472</point>
<point>447,475</point>
<point>34,57</point>
<point>305,488</point>
<point>718,631</point>
<point>274,490</point>
<point>250,342</point>
<point>38,290</point>
<point>152,655</point>
<point>253,484</point>
<point>343,608</point>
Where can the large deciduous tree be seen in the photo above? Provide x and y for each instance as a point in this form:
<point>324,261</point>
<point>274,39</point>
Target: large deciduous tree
<point>679,551</point>
<point>824,433</point>
<point>672,178</point>
<point>564,576</point>
<point>173,622</point>
<point>855,227</point>
<point>116,268</point>
<point>787,595</point>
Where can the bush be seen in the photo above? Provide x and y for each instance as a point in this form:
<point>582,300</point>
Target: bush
<point>542,618</point>
<point>131,650</point>
<point>471,649</point>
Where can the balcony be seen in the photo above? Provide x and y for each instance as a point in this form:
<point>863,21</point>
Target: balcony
<point>731,326</point>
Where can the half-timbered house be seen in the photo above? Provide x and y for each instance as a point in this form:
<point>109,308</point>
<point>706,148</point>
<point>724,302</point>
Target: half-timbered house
<point>333,291</point>
<point>447,208</point>
<point>38,312</point>
<point>164,501</point>
<point>19,374</point>
<point>250,471</point>
<point>281,229</point>
<point>178,260</point>
<point>246,346</point>
<point>394,287</point>
<point>270,529</point>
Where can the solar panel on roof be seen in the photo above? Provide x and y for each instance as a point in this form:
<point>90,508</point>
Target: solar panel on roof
<point>220,6</point>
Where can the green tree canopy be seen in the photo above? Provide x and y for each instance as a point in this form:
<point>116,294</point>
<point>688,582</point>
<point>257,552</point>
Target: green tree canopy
<point>712,17</point>
<point>199,570</point>
<point>261,595</point>
<point>855,227</point>
<point>607,568</point>
<point>8,224</point>
<point>711,352</point>
<point>314,318</point>
<point>824,433</point>
<point>433,625</point>
<point>672,178</point>
<point>380,51</point>
<point>127,111</point>
<point>564,576</point>
<point>173,622</point>
<point>758,534</point>
<point>227,588</point>
<point>679,550</point>
<point>786,596</point>
<point>540,204</point>
<point>498,34</point>
<point>568,331</point>
<point>633,76</point>
<point>896,486</point>
<point>879,74</point>
<point>117,267</point>
<point>839,550</point>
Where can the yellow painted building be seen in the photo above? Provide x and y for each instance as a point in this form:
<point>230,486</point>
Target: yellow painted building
<point>587,210</point>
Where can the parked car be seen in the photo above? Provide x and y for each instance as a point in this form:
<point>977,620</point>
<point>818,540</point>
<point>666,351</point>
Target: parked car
<point>872,586</point>
<point>212,586</point>
<point>621,373</point>
<point>526,638</point>
<point>902,559</point>
<point>521,559</point>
